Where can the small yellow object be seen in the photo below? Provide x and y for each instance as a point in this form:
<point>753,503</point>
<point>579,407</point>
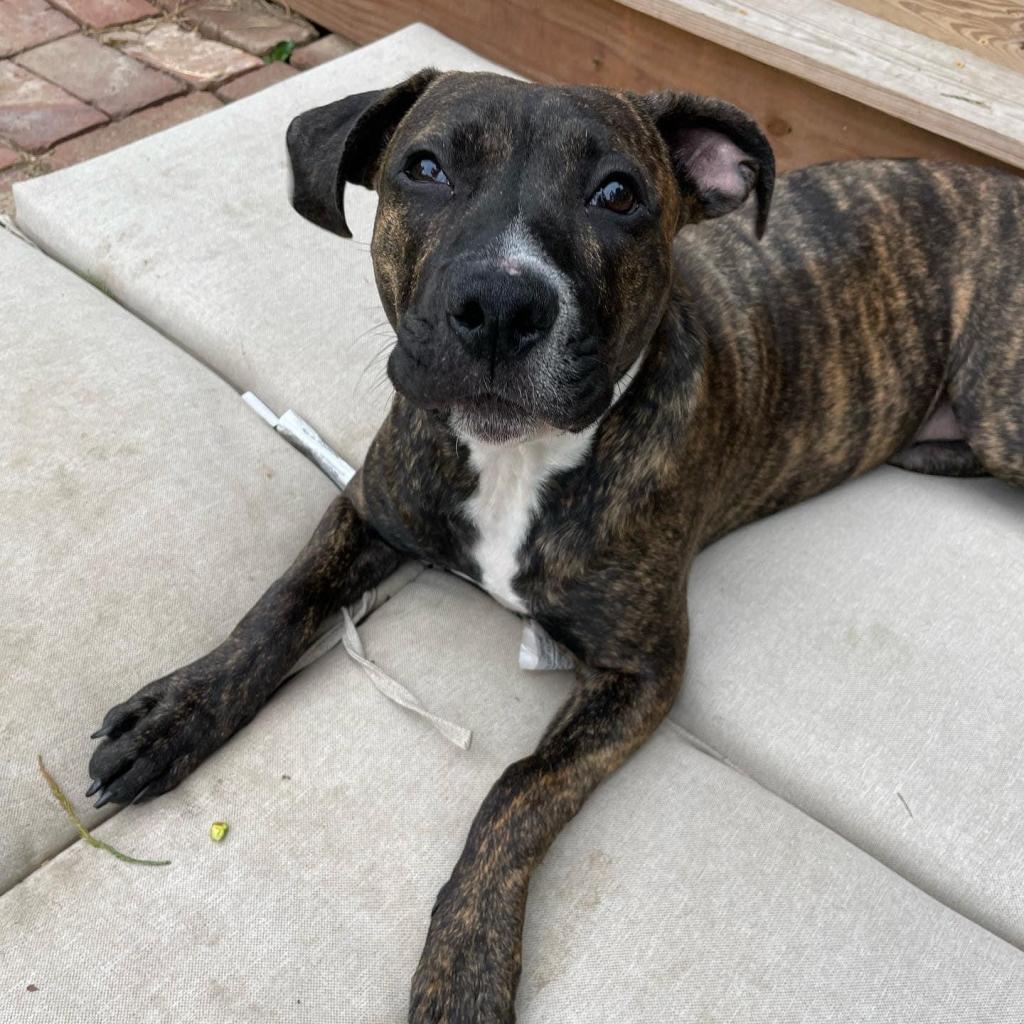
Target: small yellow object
<point>218,830</point>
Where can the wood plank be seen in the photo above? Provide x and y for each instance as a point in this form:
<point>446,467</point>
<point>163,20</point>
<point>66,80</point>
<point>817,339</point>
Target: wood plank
<point>606,43</point>
<point>919,80</point>
<point>991,29</point>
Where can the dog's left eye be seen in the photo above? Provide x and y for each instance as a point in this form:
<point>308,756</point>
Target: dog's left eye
<point>424,167</point>
<point>615,195</point>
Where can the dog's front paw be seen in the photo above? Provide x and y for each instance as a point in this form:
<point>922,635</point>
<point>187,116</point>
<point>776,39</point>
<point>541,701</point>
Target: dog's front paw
<point>154,739</point>
<point>470,966</point>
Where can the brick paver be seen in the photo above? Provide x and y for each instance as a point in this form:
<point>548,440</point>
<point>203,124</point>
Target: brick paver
<point>34,113</point>
<point>79,78</point>
<point>323,50</point>
<point>104,13</point>
<point>100,75</point>
<point>137,126</point>
<point>25,23</point>
<point>187,55</point>
<point>254,81</point>
<point>8,158</point>
<point>249,25</point>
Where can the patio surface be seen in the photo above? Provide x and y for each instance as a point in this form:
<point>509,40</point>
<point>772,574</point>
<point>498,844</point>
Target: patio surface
<point>82,77</point>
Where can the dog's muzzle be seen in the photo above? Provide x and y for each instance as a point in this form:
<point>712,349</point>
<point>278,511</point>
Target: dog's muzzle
<point>494,345</point>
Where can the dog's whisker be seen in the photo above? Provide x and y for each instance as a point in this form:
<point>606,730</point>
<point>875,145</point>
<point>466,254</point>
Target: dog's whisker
<point>373,328</point>
<point>378,364</point>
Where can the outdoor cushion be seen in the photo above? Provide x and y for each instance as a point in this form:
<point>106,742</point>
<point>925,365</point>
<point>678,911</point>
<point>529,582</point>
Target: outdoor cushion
<point>861,655</point>
<point>856,655</point>
<point>681,892</point>
<point>144,509</point>
<point>192,229</point>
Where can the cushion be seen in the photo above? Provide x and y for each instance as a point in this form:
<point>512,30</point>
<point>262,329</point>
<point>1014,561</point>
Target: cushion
<point>192,229</point>
<point>682,891</point>
<point>854,655</point>
<point>860,655</point>
<point>145,509</point>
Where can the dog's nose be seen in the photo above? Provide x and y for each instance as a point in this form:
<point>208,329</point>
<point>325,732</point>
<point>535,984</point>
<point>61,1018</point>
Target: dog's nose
<point>501,315</point>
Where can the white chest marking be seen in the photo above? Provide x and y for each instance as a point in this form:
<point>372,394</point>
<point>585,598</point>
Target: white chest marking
<point>508,495</point>
<point>509,491</point>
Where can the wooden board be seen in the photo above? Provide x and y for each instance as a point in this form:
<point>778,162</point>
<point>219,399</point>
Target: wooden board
<point>920,80</point>
<point>606,43</point>
<point>991,29</point>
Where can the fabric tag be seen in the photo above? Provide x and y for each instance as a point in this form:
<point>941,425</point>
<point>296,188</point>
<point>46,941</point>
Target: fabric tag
<point>539,652</point>
<point>295,429</point>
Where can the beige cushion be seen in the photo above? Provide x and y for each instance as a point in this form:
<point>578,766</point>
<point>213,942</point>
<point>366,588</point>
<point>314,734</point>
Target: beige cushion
<point>192,229</point>
<point>850,655</point>
<point>862,656</point>
<point>682,891</point>
<point>144,509</point>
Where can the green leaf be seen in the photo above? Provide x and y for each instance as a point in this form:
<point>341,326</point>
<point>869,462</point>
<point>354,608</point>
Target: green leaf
<point>279,51</point>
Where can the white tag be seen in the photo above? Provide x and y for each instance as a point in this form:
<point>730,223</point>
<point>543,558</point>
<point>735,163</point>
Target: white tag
<point>293,427</point>
<point>538,652</point>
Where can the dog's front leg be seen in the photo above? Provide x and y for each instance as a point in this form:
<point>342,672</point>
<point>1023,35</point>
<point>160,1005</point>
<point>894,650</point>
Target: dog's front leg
<point>470,966</point>
<point>155,738</point>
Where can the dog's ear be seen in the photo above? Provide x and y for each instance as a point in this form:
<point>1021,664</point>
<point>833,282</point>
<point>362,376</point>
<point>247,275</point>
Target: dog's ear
<point>718,152</point>
<point>343,142</point>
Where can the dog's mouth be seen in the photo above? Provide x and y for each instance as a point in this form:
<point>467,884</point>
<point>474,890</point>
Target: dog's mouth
<point>474,410</point>
<point>492,419</point>
<point>512,406</point>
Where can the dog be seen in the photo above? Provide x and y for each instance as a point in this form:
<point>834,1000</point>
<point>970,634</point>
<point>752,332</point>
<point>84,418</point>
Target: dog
<point>607,356</point>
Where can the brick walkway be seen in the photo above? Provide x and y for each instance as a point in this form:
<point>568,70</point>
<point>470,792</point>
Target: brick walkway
<point>82,77</point>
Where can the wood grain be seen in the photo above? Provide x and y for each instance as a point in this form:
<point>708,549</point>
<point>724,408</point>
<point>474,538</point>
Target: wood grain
<point>917,79</point>
<point>991,29</point>
<point>606,43</point>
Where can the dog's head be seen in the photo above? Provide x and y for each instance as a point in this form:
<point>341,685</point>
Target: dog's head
<point>523,238</point>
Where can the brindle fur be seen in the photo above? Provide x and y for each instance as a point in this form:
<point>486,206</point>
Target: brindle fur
<point>775,369</point>
<point>156,738</point>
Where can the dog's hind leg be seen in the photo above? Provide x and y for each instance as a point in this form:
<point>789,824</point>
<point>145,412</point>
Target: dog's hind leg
<point>939,447</point>
<point>985,377</point>
<point>939,458</point>
<point>987,390</point>
<point>976,425</point>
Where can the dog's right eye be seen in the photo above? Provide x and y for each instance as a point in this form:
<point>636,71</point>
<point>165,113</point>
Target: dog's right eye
<point>423,167</point>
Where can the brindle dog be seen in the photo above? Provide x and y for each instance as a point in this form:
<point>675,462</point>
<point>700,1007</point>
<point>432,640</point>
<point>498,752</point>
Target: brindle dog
<point>587,396</point>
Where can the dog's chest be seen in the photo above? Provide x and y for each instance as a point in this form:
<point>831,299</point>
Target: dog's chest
<point>508,497</point>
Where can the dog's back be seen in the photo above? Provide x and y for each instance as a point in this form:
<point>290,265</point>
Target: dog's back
<point>852,320</point>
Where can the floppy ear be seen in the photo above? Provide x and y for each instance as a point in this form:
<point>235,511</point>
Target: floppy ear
<point>719,154</point>
<point>344,141</point>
